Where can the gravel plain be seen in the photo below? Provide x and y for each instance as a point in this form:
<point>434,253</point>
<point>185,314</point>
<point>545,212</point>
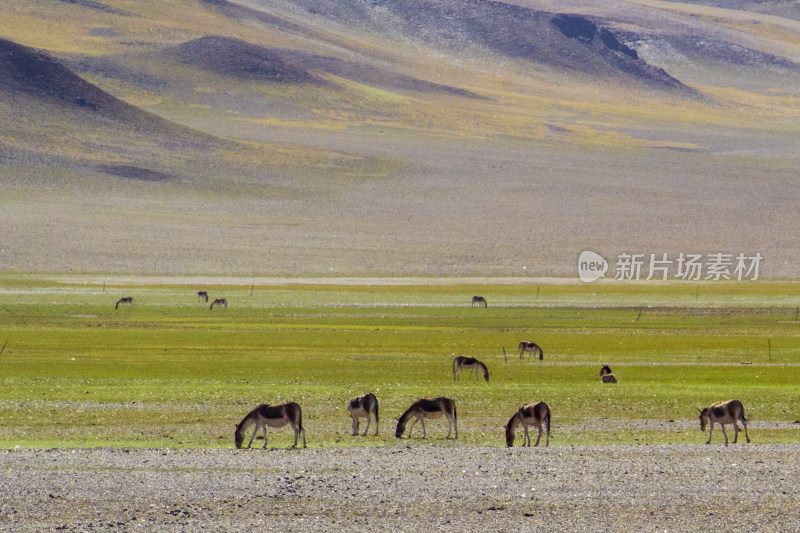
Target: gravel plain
<point>422,486</point>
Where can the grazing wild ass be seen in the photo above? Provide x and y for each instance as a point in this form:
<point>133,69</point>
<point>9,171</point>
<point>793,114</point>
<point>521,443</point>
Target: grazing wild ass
<point>219,301</point>
<point>472,365</point>
<point>363,406</point>
<point>428,408</point>
<point>480,300</point>
<point>274,416</point>
<point>606,376</point>
<point>531,347</point>
<point>127,300</point>
<point>533,414</point>
<point>202,295</point>
<point>724,413</point>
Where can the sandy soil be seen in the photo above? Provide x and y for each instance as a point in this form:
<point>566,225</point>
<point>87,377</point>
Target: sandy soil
<point>422,487</point>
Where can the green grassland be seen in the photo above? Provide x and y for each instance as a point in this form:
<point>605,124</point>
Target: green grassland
<point>168,372</point>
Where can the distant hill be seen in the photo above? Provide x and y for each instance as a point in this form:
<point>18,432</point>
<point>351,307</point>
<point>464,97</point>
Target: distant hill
<point>573,43</point>
<point>30,72</point>
<point>239,59</point>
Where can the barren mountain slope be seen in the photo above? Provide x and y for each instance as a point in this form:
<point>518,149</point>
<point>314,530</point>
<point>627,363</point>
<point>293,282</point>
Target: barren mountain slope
<point>394,137</point>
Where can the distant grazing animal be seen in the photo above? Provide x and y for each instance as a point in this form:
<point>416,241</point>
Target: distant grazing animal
<point>127,300</point>
<point>428,408</point>
<point>724,413</point>
<point>274,416</point>
<point>606,375</point>
<point>363,406</point>
<point>203,295</point>
<point>533,414</point>
<point>531,347</point>
<point>469,363</point>
<point>219,301</point>
<point>480,300</point>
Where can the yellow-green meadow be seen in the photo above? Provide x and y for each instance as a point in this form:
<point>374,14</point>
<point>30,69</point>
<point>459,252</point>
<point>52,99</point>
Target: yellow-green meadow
<point>169,372</point>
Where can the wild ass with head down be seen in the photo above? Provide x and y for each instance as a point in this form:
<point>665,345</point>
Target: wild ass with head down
<point>532,347</point>
<point>219,301</point>
<point>480,300</point>
<point>127,300</point>
<point>471,364</point>
<point>363,407</point>
<point>428,408</point>
<point>724,413</point>
<point>533,414</point>
<point>275,416</point>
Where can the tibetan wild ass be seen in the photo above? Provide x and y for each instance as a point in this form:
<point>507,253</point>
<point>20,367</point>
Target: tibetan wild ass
<point>606,375</point>
<point>428,408</point>
<point>724,413</point>
<point>274,416</point>
<point>531,347</point>
<point>363,406</point>
<point>219,301</point>
<point>471,364</point>
<point>480,300</point>
<point>202,295</point>
<point>533,414</point>
<point>128,300</point>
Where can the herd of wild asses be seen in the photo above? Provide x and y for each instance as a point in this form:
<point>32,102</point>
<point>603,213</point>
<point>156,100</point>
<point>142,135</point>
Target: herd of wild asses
<point>535,414</point>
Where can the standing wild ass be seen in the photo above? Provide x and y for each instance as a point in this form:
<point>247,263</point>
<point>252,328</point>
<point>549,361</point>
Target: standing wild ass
<point>532,347</point>
<point>127,300</point>
<point>724,413</point>
<point>472,364</point>
<point>363,406</point>
<point>274,416</point>
<point>533,414</point>
<point>480,300</point>
<point>428,408</point>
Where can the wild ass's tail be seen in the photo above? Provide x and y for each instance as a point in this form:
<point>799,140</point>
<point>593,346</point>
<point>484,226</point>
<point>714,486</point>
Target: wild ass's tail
<point>547,423</point>
<point>300,419</point>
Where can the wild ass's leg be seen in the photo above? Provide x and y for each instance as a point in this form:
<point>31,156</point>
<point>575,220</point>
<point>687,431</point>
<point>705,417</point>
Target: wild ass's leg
<point>744,423</point>
<point>710,430</point>
<point>539,437</point>
<point>355,423</point>
<point>296,431</point>
<point>264,430</point>
<point>424,431</point>
<point>411,427</point>
<point>452,422</point>
<point>735,432</point>
<point>723,432</point>
<point>526,441</point>
<point>368,421</point>
<point>255,429</point>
